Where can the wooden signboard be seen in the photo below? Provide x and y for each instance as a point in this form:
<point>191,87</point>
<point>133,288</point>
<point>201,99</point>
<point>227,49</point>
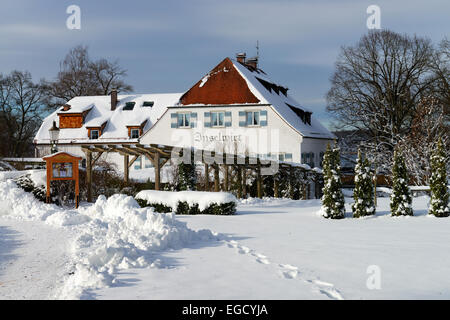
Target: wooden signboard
<point>63,166</point>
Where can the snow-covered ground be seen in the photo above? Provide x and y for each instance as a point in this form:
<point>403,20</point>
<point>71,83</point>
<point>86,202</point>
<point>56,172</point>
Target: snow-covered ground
<point>271,249</point>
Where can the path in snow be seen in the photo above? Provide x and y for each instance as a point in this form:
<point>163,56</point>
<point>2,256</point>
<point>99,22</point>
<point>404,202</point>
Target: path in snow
<point>33,259</point>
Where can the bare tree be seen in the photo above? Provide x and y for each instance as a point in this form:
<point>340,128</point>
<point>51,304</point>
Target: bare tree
<point>377,87</point>
<point>22,103</point>
<point>418,146</point>
<point>378,82</point>
<point>441,68</point>
<point>81,76</point>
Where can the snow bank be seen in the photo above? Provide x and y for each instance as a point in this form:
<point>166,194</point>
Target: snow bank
<point>112,234</point>
<point>170,199</point>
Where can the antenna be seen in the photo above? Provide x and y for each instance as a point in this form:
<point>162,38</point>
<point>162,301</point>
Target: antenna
<point>257,49</point>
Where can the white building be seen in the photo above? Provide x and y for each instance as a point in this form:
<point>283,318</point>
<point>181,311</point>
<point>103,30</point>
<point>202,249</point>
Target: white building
<point>234,108</point>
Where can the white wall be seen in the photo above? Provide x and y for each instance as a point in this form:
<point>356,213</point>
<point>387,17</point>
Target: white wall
<point>276,137</point>
<point>316,146</point>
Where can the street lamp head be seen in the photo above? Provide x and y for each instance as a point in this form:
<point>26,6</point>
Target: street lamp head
<point>54,132</point>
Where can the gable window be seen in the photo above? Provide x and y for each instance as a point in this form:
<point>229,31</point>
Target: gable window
<point>94,134</point>
<point>252,118</point>
<point>134,133</point>
<point>184,120</point>
<point>217,119</point>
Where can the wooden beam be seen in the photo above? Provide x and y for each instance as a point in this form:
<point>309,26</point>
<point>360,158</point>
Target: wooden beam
<point>132,161</point>
<point>239,181</point>
<point>157,166</point>
<point>126,169</point>
<point>89,175</point>
<point>97,157</point>
<point>244,182</point>
<point>259,182</point>
<point>216,178</point>
<point>206,177</point>
<point>276,186</point>
<point>225,178</point>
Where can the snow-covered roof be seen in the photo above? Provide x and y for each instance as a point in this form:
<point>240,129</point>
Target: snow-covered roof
<point>281,102</point>
<point>100,113</point>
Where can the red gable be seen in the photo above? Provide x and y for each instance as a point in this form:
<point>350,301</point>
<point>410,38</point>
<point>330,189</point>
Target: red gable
<point>222,85</point>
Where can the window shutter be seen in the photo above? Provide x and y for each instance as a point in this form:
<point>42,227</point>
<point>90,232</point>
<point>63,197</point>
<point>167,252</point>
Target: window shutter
<point>242,119</point>
<point>207,116</point>
<point>263,118</point>
<point>193,119</point>
<point>228,119</point>
<point>174,120</point>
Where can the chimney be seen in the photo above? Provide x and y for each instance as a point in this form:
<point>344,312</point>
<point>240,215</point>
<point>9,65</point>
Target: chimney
<point>66,107</point>
<point>113,99</point>
<point>252,62</point>
<point>240,57</point>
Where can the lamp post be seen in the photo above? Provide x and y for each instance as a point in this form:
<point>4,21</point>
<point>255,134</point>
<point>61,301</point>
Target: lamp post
<point>54,134</point>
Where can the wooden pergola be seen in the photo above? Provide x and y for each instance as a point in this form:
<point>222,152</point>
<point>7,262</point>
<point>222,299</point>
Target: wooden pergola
<point>159,155</point>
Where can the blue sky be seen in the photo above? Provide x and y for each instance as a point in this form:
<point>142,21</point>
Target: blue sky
<point>167,46</point>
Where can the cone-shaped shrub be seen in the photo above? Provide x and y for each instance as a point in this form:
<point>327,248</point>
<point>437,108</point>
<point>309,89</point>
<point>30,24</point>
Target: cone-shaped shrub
<point>333,203</point>
<point>439,205</point>
<point>363,192</point>
<point>401,200</point>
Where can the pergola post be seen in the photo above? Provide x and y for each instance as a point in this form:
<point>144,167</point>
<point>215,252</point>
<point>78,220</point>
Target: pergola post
<point>216,178</point>
<point>157,165</point>
<point>291,184</point>
<point>276,186</point>
<point>89,175</point>
<point>126,171</point>
<point>259,182</point>
<point>239,181</point>
<point>206,177</point>
<point>225,182</point>
<point>244,183</point>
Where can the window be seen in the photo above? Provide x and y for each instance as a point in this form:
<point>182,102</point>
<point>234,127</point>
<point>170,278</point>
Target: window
<point>148,103</point>
<point>148,163</point>
<point>184,120</point>
<point>94,134</point>
<point>129,106</point>
<point>252,118</point>
<point>134,133</point>
<point>138,163</point>
<point>321,158</point>
<point>281,157</point>
<point>308,158</point>
<point>217,119</point>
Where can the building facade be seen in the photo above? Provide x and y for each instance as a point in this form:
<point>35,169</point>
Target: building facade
<point>235,108</point>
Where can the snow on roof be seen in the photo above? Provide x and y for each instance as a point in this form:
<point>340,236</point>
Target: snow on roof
<point>280,103</point>
<point>100,113</point>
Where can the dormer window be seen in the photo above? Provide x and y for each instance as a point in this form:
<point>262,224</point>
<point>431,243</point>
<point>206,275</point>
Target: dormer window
<point>148,104</point>
<point>129,106</point>
<point>134,133</point>
<point>94,134</point>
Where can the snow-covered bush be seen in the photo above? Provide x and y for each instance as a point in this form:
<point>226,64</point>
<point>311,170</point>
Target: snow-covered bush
<point>333,203</point>
<point>401,199</point>
<point>439,205</point>
<point>27,184</point>
<point>363,192</point>
<point>188,202</point>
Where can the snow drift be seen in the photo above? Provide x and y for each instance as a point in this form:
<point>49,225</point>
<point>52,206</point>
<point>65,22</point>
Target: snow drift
<point>111,234</point>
